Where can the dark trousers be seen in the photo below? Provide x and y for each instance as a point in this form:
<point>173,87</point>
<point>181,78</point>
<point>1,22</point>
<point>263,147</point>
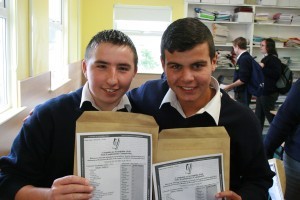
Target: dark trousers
<point>243,97</point>
<point>264,104</point>
<point>292,172</point>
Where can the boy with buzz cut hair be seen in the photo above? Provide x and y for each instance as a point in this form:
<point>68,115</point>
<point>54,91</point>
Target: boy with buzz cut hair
<point>188,96</point>
<point>40,164</point>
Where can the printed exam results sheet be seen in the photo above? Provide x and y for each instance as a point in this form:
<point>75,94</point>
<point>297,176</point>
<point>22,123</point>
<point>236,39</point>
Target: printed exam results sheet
<point>196,178</point>
<point>118,164</point>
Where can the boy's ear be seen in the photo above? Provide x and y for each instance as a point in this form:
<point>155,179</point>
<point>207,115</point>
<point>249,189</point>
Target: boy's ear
<point>162,61</point>
<point>135,70</point>
<point>214,62</point>
<point>84,67</point>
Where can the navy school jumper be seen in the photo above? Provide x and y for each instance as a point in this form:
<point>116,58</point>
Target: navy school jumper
<point>250,174</point>
<point>44,148</point>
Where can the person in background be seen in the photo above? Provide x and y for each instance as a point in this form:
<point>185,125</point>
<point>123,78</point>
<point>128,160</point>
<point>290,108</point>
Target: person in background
<point>271,66</point>
<point>242,73</point>
<point>40,164</point>
<point>285,128</point>
<point>188,96</point>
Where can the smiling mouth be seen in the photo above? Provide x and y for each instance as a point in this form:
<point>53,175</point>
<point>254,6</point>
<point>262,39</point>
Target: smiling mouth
<point>187,88</point>
<point>110,90</point>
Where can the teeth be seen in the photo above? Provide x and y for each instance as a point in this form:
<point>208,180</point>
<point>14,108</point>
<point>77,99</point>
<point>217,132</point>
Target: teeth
<point>110,90</point>
<point>187,88</point>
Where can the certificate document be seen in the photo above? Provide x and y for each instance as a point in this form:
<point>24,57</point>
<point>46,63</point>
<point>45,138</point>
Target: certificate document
<point>118,164</point>
<point>196,178</point>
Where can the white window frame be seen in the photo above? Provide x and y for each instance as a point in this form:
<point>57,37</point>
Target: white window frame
<point>5,71</point>
<point>59,72</point>
<point>13,102</point>
<point>131,19</point>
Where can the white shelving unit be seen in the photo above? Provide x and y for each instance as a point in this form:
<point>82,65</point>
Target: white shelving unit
<point>236,29</point>
<point>280,31</point>
<point>251,29</point>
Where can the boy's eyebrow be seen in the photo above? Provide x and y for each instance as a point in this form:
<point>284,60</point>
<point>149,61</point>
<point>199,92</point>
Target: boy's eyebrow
<point>200,62</point>
<point>123,63</point>
<point>101,62</point>
<point>173,63</point>
<point>196,62</point>
<point>106,63</point>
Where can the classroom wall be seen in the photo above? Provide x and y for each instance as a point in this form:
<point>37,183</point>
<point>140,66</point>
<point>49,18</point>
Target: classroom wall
<point>40,37</point>
<point>74,31</point>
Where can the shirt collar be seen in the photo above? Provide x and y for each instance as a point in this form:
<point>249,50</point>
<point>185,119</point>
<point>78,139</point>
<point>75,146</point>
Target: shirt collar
<point>87,96</point>
<point>213,107</point>
<point>240,54</point>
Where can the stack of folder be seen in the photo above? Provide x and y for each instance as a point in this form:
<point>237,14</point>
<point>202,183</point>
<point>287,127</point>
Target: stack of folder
<point>282,18</point>
<point>224,59</point>
<point>224,16</point>
<point>220,33</point>
<point>293,42</point>
<point>212,15</point>
<point>263,18</point>
<point>205,14</point>
<point>279,42</point>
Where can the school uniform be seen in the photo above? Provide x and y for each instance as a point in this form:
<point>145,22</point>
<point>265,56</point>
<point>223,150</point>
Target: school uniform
<point>285,127</point>
<point>250,174</point>
<point>44,148</point>
<point>243,70</point>
<point>266,102</point>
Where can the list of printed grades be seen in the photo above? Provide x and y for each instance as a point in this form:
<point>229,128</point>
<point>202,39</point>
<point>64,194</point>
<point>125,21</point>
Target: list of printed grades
<point>118,164</point>
<point>195,178</point>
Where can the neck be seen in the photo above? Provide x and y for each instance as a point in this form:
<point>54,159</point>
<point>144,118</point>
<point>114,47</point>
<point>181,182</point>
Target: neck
<point>190,108</point>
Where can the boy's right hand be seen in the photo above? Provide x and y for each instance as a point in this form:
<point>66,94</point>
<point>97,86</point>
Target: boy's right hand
<point>71,187</point>
<point>65,188</point>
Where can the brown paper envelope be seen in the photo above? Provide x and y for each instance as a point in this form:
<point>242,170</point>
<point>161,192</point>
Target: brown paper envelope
<point>280,172</point>
<point>189,142</point>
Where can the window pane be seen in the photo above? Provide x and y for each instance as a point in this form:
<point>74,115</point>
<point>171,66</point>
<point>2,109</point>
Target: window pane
<point>57,65</point>
<point>3,66</point>
<point>55,53</point>
<point>145,26</point>
<point>148,49</point>
<point>2,4</point>
<point>55,11</point>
